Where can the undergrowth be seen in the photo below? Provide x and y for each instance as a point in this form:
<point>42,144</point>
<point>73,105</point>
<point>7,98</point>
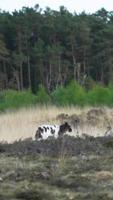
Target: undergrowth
<point>72,94</point>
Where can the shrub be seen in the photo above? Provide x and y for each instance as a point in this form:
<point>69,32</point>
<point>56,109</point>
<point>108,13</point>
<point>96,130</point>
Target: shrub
<point>100,95</point>
<point>76,94</point>
<point>59,96</point>
<point>42,96</point>
<point>16,99</point>
<point>72,94</point>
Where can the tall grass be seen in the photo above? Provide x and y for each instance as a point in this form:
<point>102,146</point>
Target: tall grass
<point>24,122</point>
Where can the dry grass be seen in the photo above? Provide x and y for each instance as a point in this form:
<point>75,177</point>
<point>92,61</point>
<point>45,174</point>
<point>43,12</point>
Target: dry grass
<point>23,123</point>
<point>104,175</point>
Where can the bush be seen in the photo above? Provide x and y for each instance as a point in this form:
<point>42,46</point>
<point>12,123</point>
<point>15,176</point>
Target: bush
<point>100,95</point>
<point>16,99</point>
<point>76,94</point>
<point>42,96</point>
<point>73,94</point>
<point>59,96</point>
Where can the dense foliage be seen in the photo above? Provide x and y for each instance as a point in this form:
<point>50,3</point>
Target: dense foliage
<point>72,94</point>
<point>52,48</point>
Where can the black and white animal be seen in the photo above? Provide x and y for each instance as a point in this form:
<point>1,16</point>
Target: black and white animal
<point>45,131</point>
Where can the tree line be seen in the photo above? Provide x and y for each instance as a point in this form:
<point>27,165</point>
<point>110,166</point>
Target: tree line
<point>51,48</point>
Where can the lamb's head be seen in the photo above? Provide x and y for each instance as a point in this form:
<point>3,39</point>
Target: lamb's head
<point>64,128</point>
<point>38,134</point>
<point>67,127</point>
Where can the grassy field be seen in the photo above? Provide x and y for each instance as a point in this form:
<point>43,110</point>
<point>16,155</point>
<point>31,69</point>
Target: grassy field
<point>67,168</point>
<point>23,123</point>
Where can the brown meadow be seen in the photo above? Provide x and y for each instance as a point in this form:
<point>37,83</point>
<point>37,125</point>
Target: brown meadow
<point>20,124</point>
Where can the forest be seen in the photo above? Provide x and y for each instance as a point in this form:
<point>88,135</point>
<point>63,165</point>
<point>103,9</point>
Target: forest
<point>56,67</point>
<point>52,48</point>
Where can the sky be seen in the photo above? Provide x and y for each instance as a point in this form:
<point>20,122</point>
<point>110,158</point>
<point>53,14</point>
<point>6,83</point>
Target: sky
<point>89,6</point>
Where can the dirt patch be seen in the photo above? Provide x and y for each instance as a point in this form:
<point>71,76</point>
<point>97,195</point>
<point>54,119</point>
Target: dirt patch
<point>104,175</point>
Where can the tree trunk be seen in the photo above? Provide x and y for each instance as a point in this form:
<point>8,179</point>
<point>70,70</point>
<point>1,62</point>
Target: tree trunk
<point>102,76</point>
<point>78,72</point>
<point>16,76</point>
<point>84,61</point>
<point>21,75</point>
<point>5,72</point>
<point>29,71</point>
<point>59,79</point>
<point>20,53</point>
<point>74,63</point>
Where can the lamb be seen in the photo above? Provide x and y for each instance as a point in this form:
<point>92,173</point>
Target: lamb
<point>45,131</point>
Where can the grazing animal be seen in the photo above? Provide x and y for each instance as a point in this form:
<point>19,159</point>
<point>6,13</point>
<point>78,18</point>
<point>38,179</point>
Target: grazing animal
<point>45,131</point>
